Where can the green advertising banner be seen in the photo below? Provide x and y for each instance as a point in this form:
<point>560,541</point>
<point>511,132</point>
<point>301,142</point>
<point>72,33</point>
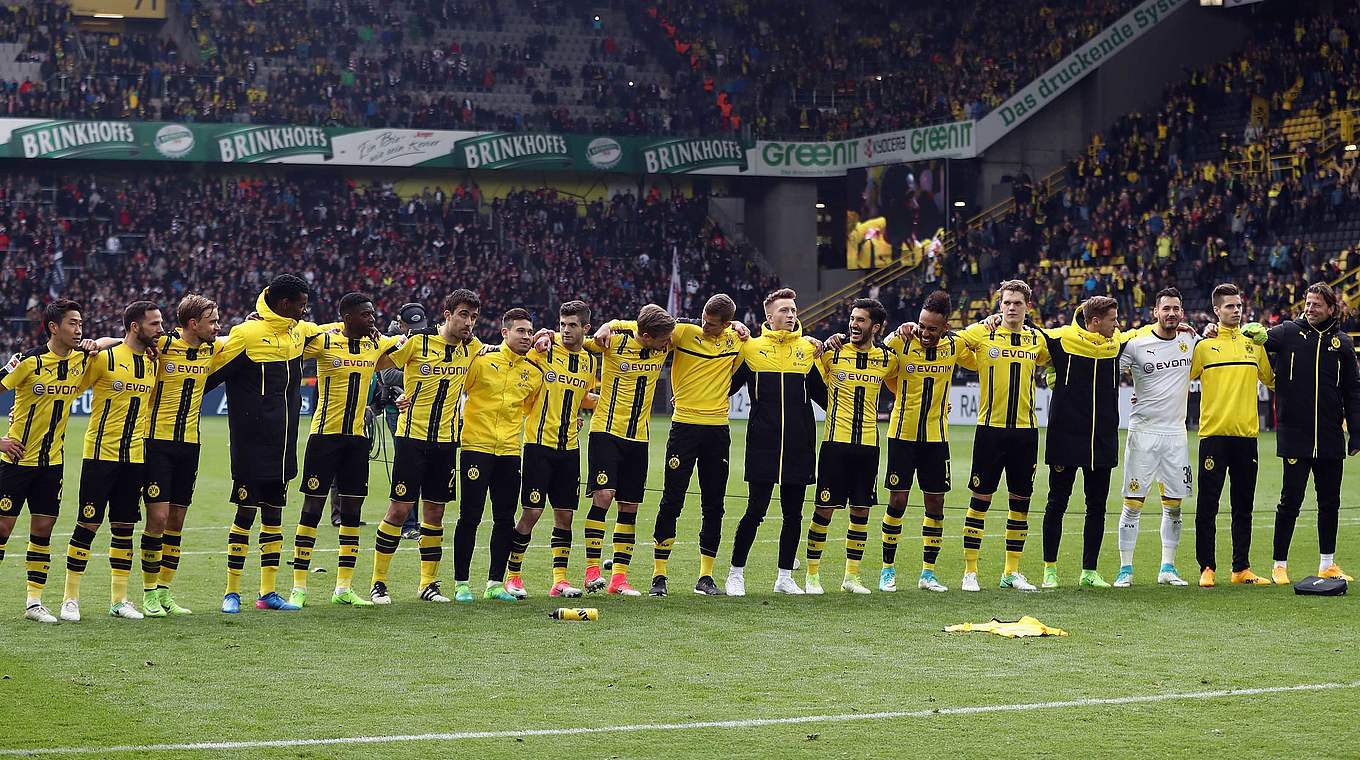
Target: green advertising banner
<point>293,144</point>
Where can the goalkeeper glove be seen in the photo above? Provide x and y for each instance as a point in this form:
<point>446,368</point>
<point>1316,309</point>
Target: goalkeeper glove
<point>1256,332</point>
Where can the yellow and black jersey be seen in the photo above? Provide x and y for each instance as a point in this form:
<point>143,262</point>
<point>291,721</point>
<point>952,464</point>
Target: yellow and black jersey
<point>628,378</point>
<point>344,370</point>
<point>45,385</point>
<point>433,372</point>
<point>854,378</point>
<point>701,372</point>
<point>181,376</point>
<point>1228,366</point>
<point>568,377</point>
<point>784,379</point>
<point>921,410</point>
<point>120,411</point>
<point>1007,365</point>
<point>501,389</point>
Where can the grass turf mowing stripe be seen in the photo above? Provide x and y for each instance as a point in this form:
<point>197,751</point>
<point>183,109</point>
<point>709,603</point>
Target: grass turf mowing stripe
<point>698,725</point>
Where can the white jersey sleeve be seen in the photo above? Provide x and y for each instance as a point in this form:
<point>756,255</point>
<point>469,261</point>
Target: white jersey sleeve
<point>1161,381</point>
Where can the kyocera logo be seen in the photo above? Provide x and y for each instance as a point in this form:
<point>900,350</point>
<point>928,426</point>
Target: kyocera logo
<point>1150,367</point>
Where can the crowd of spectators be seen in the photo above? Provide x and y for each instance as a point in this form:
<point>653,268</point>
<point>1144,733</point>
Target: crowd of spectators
<point>106,240</point>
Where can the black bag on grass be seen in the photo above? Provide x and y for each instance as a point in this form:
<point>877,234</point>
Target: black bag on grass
<point>1316,586</point>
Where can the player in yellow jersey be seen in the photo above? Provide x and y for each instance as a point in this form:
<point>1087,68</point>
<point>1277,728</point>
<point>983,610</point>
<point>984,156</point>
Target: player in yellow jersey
<point>1007,439</point>
<point>46,381</point>
<point>502,386</point>
<point>631,366</point>
<point>918,435</point>
<point>183,362</point>
<point>112,473</point>
<point>552,454</point>
<point>847,463</point>
<point>434,365</point>
<point>337,447</point>
<point>1228,366</point>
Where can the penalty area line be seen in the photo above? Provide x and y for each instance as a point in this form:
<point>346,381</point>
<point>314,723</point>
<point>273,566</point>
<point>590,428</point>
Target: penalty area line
<point>691,726</point>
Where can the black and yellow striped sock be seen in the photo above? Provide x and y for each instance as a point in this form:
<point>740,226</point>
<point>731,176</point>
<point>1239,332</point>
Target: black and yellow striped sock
<point>661,556</point>
<point>384,546</point>
<point>304,541</point>
<point>77,557</point>
<point>932,538</point>
<point>816,542</point>
<point>973,528</point>
<point>271,548</point>
<point>170,552</point>
<point>518,547</point>
<point>561,554</point>
<point>856,536</point>
<point>152,552</point>
<point>348,557</point>
<point>1017,530</point>
<point>37,562</point>
<point>120,561</point>
<point>238,546</point>
<point>892,531</point>
<point>431,552</point>
<point>594,533</point>
<point>624,535</point>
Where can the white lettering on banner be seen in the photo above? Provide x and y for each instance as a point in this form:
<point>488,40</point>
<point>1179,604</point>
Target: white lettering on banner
<point>1072,69</point>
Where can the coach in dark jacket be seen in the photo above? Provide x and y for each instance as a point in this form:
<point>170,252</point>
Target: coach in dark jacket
<point>1317,388</point>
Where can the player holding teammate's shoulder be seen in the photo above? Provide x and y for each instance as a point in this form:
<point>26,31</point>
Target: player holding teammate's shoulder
<point>184,360</point>
<point>337,447</point>
<point>631,367</point>
<point>112,473</point>
<point>552,453</point>
<point>847,464</point>
<point>918,434</point>
<point>501,387</point>
<point>46,380</point>
<point>434,365</point>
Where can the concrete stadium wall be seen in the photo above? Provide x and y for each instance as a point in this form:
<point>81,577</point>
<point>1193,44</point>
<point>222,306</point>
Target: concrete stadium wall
<point>1131,81</point>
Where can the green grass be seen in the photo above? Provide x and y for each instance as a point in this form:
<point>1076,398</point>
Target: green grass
<point>413,668</point>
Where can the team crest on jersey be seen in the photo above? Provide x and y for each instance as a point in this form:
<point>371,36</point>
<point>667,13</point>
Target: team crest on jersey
<point>473,473</point>
<point>1184,348</point>
<point>153,490</point>
<point>6,504</point>
<point>825,494</point>
<point>893,479</point>
<point>399,489</point>
<point>242,493</point>
<point>1208,463</point>
<point>601,479</point>
<point>673,463</point>
<point>87,511</point>
<point>977,481</point>
<point>524,376</point>
<point>797,355</point>
<point>1135,486</point>
<point>313,482</point>
<point>535,497</point>
<point>1336,343</point>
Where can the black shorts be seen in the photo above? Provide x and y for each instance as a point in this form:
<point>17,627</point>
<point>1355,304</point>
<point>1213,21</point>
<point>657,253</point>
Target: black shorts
<point>39,487</point>
<point>262,493</point>
<point>1013,450</point>
<point>424,470</point>
<point>704,445</point>
<point>845,475</point>
<point>619,464</point>
<point>115,487</point>
<point>926,461</point>
<point>550,475</point>
<point>338,459</point>
<point>171,472</point>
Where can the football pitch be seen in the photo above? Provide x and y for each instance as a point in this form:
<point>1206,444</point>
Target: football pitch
<point>1153,671</point>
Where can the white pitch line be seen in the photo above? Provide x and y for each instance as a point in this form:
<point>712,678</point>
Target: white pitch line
<point>697,725</point>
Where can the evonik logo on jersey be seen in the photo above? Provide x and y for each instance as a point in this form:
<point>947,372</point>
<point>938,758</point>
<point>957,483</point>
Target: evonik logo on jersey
<point>1151,367</point>
<point>553,377</point>
<point>434,370</point>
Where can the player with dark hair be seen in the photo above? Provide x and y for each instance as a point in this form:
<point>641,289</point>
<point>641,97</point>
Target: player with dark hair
<point>337,447</point>
<point>847,464</point>
<point>435,364</point>
<point>502,386</point>
<point>183,362</point>
<point>46,380</point>
<point>552,454</point>
<point>112,473</point>
<point>261,365</point>
<point>1228,366</point>
<point>631,365</point>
